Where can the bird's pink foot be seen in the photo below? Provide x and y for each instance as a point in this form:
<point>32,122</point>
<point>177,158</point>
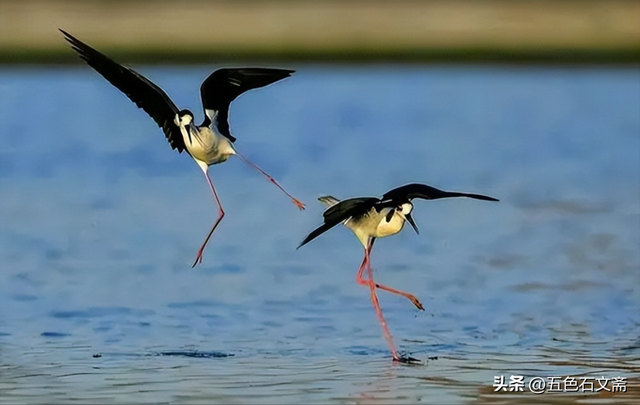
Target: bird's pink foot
<point>415,301</point>
<point>298,203</point>
<point>198,258</point>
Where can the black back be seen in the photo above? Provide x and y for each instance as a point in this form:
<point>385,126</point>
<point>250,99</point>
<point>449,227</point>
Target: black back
<point>144,93</point>
<point>355,207</point>
<point>225,85</point>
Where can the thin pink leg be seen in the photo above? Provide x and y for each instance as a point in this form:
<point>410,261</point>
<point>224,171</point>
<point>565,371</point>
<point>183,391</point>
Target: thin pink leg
<point>360,280</point>
<point>297,202</point>
<point>376,304</point>
<point>414,300</point>
<point>215,225</point>
<point>361,270</point>
<point>366,265</point>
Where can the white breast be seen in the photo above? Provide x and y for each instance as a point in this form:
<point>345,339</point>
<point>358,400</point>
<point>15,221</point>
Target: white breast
<point>389,228</point>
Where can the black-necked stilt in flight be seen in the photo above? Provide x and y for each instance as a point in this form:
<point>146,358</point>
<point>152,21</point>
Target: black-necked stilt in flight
<point>209,143</point>
<point>370,218</point>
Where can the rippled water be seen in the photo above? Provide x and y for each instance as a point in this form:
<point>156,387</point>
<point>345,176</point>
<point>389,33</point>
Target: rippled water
<point>100,222</point>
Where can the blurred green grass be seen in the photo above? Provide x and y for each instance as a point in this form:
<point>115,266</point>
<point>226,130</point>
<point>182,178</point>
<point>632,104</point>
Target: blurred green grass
<point>453,31</point>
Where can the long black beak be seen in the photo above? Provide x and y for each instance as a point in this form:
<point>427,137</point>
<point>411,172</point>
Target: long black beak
<point>412,222</point>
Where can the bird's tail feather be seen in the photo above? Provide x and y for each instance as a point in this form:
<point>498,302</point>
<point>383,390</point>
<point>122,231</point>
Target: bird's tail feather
<point>328,200</point>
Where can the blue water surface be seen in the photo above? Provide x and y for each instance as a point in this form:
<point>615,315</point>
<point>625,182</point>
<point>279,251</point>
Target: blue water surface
<point>101,220</point>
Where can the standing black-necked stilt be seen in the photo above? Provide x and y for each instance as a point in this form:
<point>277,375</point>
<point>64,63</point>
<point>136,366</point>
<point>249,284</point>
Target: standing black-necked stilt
<point>209,143</point>
<point>370,218</point>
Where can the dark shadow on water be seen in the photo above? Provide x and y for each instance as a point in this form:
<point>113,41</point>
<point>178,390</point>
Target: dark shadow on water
<point>172,353</point>
<point>195,353</point>
<point>55,334</point>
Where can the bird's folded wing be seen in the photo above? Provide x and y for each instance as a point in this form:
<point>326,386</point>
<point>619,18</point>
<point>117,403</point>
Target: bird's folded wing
<point>340,212</point>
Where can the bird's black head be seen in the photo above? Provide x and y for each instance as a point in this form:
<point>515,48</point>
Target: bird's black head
<point>406,209</point>
<point>184,118</point>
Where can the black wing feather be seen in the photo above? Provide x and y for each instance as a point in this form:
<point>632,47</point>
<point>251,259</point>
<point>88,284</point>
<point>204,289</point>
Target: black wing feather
<point>351,207</point>
<point>225,85</point>
<point>144,93</point>
<point>410,191</point>
<point>340,212</point>
<point>315,233</point>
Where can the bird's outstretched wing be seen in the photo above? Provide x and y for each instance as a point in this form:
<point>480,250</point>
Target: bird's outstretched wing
<point>410,191</point>
<point>224,85</point>
<point>144,93</point>
<point>340,212</point>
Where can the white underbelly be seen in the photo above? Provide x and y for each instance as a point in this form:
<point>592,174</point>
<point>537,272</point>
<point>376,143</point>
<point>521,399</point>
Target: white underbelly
<point>371,225</point>
<point>209,147</point>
